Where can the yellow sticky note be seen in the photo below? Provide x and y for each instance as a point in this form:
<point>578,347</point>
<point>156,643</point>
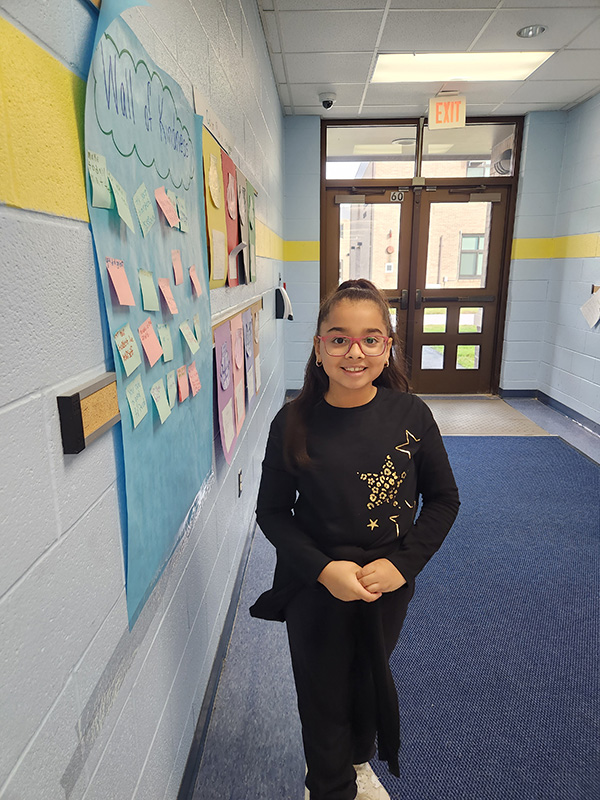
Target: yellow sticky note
<point>101,194</point>
<point>160,400</point>
<point>121,199</point>
<point>149,294</point>
<point>144,209</point>
<point>128,349</point>
<point>189,336</point>
<point>164,333</point>
<point>137,400</point>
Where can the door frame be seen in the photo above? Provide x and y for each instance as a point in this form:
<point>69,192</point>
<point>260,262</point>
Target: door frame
<point>510,183</point>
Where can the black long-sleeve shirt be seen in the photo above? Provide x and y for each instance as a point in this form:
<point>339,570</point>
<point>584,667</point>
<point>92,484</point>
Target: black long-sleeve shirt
<point>358,500</point>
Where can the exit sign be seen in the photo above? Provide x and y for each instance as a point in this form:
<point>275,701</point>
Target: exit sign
<point>447,112</point>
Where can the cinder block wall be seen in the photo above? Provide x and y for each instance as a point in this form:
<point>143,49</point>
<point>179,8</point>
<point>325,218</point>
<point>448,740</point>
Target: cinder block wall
<point>88,708</point>
<point>556,259</point>
<point>302,160</point>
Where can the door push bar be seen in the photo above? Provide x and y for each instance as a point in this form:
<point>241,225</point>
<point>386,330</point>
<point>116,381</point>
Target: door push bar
<point>419,299</point>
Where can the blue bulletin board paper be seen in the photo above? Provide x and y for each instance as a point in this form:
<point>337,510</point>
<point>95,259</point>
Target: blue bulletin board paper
<point>138,118</point>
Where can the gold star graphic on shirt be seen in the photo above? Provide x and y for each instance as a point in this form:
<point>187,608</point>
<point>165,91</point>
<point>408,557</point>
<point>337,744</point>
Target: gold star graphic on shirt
<point>384,485</point>
<point>372,523</point>
<point>401,447</point>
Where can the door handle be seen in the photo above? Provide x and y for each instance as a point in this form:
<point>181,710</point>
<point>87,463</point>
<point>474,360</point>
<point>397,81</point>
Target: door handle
<point>418,299</point>
<point>404,300</point>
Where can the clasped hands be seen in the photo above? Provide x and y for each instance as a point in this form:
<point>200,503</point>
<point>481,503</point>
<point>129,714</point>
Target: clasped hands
<point>347,581</point>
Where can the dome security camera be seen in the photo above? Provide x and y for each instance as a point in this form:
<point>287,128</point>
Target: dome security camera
<point>327,99</point>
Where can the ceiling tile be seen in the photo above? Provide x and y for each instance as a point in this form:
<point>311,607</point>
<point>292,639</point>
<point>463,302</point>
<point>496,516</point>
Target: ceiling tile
<point>271,33</point>
<point>327,5</point>
<point>589,38</point>
<point>563,24</point>
<point>306,94</point>
<point>277,64</point>
<point>431,30</point>
<point>398,110</point>
<point>520,109</point>
<point>331,67</point>
<point>553,91</point>
<point>339,112</point>
<point>329,31</point>
<point>569,65</point>
<point>444,4</point>
<point>385,94</point>
<point>548,3</point>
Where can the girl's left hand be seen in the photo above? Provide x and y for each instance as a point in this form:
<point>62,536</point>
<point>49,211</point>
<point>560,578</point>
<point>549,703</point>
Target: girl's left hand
<point>381,576</point>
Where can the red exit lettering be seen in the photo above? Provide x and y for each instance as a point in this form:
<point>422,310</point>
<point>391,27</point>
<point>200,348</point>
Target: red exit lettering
<point>447,111</point>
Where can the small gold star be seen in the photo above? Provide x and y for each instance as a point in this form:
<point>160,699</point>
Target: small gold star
<point>409,436</point>
<point>372,523</point>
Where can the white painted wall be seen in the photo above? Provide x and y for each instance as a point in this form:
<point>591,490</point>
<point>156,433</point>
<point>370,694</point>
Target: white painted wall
<point>88,709</point>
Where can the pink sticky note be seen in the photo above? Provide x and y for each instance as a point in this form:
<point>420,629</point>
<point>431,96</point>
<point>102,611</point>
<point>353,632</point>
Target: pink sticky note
<point>118,276</point>
<point>165,288</point>
<point>194,378</point>
<point>166,206</point>
<point>182,383</point>
<point>177,267</point>
<point>150,342</point>
<point>195,281</point>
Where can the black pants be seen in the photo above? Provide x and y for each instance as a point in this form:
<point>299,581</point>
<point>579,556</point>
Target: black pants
<point>336,696</point>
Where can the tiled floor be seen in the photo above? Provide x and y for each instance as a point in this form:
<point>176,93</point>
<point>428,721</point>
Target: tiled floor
<point>479,415</point>
<point>484,415</point>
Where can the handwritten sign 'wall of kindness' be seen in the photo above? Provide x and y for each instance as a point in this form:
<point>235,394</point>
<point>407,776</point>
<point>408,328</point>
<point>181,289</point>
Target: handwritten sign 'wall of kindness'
<point>135,108</point>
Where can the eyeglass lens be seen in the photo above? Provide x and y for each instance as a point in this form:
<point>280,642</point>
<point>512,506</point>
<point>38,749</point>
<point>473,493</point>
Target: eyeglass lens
<point>340,345</point>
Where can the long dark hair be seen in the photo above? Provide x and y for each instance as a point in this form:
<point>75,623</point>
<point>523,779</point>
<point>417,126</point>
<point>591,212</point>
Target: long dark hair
<point>316,381</point>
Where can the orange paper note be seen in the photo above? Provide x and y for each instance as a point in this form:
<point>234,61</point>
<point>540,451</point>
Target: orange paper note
<point>166,206</point>
<point>118,276</point>
<point>182,383</point>
<point>165,288</point>
<point>150,342</point>
<point>177,267</point>
<point>195,281</point>
<point>194,378</point>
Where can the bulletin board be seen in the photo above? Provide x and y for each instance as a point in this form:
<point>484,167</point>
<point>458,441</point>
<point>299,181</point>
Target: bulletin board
<point>146,204</point>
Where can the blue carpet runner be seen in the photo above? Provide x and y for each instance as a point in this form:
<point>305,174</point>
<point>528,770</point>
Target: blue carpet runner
<point>497,665</point>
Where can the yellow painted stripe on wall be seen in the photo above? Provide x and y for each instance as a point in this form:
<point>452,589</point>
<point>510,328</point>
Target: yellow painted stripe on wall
<point>584,245</point>
<point>301,251</point>
<point>41,114</point>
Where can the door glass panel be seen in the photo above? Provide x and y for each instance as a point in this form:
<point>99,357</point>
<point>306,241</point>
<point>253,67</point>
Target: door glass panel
<point>457,250</point>
<point>369,236</point>
<point>434,320</point>
<point>432,356</point>
<point>479,150</point>
<point>470,320</point>
<point>370,151</point>
<point>467,356</point>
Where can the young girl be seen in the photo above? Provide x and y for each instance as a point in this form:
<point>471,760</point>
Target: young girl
<point>345,465</point>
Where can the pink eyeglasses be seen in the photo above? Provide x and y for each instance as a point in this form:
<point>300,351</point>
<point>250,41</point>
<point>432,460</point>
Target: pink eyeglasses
<point>341,345</point>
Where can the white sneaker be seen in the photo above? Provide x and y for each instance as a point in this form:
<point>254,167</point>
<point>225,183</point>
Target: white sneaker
<point>368,784</point>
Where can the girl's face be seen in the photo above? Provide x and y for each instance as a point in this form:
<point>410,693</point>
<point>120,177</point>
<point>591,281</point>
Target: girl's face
<point>351,376</point>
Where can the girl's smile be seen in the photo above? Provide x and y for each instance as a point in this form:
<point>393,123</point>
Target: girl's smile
<point>351,376</point>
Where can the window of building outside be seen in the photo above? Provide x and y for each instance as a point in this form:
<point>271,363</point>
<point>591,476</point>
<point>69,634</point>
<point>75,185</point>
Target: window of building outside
<point>472,250</point>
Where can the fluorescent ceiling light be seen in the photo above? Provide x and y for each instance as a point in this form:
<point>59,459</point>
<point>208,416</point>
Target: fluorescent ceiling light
<point>434,67</point>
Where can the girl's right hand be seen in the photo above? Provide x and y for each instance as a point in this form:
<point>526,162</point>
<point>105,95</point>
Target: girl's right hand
<point>340,579</point>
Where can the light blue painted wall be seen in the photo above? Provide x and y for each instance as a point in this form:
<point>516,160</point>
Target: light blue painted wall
<point>302,169</point>
<point>548,345</point>
<point>89,709</point>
